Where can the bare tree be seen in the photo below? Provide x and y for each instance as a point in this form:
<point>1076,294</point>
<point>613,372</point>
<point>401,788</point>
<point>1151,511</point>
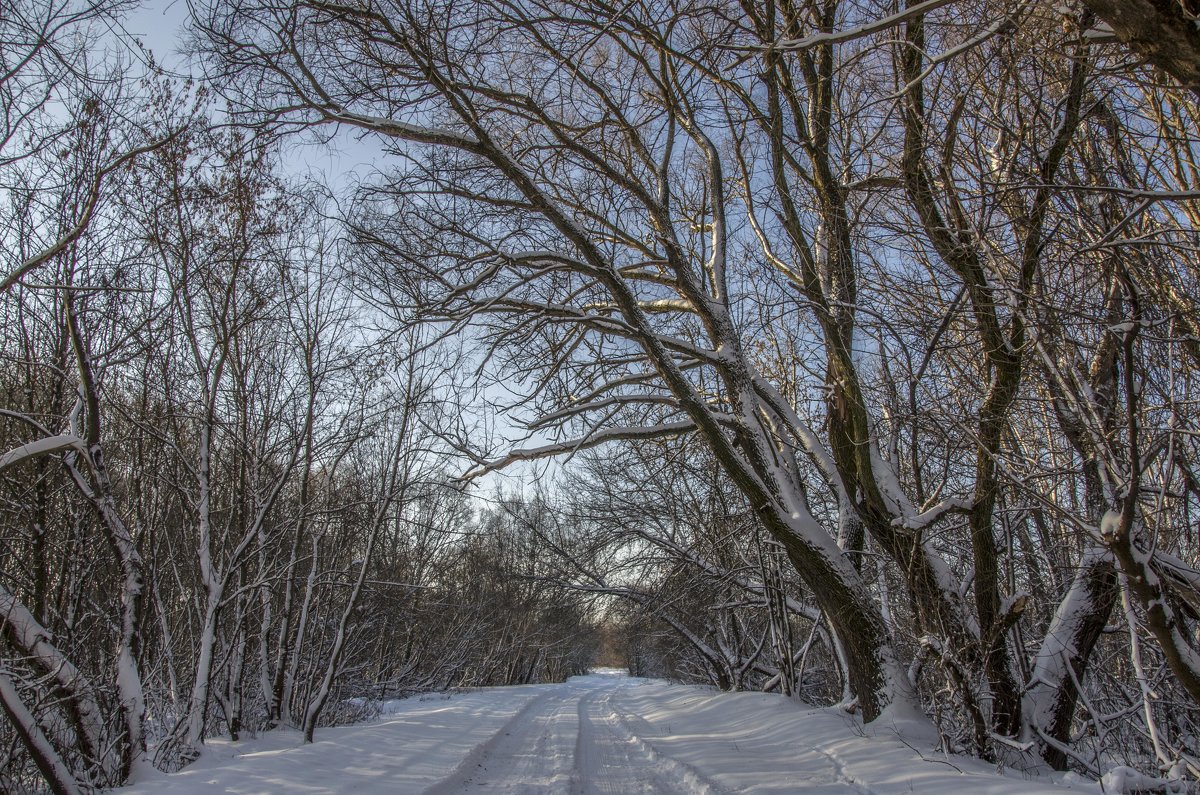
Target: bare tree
<point>832,258</point>
<point>636,281</point>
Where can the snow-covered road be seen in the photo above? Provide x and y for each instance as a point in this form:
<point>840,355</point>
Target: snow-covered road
<point>602,733</point>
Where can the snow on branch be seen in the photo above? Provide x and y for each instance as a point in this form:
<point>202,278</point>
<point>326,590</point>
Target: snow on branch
<point>29,731</point>
<point>637,379</point>
<point>929,516</point>
<point>597,405</point>
<point>1182,578</point>
<point>32,640</point>
<point>666,305</point>
<point>393,128</point>
<point>545,257</point>
<point>856,32</point>
<point>41,447</point>
<point>570,447</point>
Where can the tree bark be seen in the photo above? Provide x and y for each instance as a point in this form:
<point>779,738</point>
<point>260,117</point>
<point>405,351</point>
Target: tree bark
<point>1164,32</point>
<point>47,759</point>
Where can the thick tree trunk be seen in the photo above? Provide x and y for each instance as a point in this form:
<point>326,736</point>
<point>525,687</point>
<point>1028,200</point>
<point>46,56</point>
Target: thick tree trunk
<point>876,676</point>
<point>1164,32</point>
<point>1048,703</point>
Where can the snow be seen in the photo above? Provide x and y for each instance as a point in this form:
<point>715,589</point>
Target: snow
<point>601,733</point>
<point>40,447</point>
<point>1126,779</point>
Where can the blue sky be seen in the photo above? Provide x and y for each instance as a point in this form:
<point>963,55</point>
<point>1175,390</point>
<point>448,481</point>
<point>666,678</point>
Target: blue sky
<point>158,25</point>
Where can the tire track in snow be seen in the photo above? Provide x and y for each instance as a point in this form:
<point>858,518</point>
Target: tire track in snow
<point>843,775</point>
<point>611,762</point>
<point>533,752</point>
<point>572,739</point>
<point>625,735</point>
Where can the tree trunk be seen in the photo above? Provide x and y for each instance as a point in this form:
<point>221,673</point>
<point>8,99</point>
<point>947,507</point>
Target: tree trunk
<point>1164,32</point>
<point>25,725</point>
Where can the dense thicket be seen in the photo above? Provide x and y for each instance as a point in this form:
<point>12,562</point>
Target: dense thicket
<point>224,506</point>
<point>870,330</point>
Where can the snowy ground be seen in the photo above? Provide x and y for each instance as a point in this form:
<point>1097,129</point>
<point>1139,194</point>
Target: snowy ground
<point>603,733</point>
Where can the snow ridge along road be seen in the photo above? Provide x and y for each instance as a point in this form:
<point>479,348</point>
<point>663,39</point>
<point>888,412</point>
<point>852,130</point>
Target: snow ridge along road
<point>602,734</point>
